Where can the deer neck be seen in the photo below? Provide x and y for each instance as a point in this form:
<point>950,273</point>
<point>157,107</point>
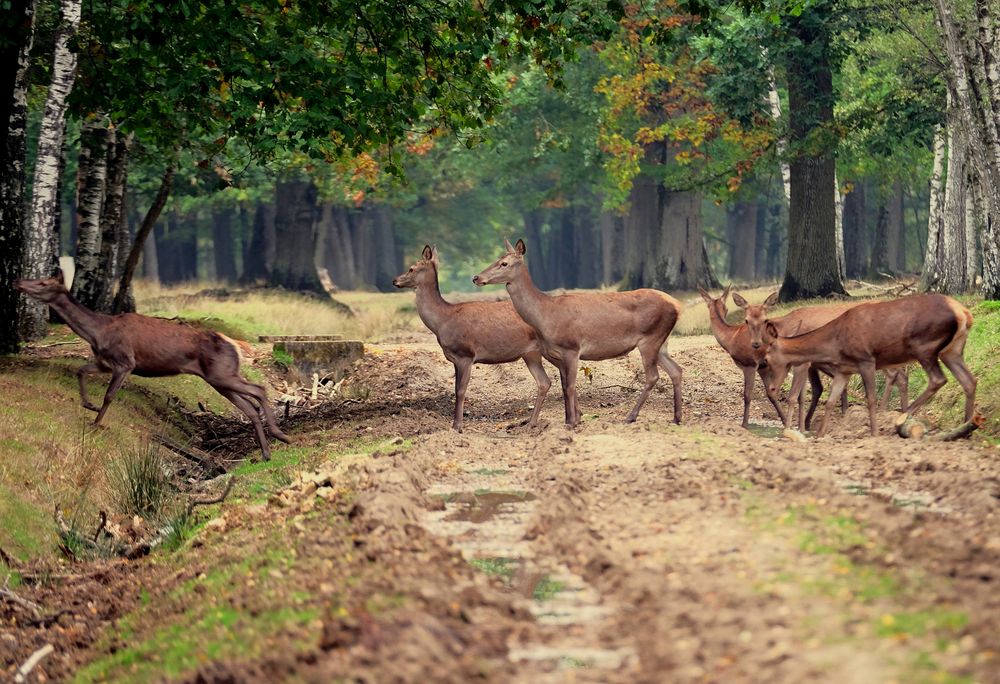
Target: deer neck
<point>529,302</point>
<point>817,346</point>
<point>723,331</point>
<point>81,320</point>
<point>431,306</point>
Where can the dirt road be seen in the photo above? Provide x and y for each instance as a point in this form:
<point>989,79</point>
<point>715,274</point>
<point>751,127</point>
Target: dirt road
<point>637,553</point>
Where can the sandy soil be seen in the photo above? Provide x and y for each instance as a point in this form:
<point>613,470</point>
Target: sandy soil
<point>610,553</point>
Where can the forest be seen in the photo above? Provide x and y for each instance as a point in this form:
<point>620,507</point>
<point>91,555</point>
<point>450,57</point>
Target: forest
<point>664,144</point>
<point>332,257</point>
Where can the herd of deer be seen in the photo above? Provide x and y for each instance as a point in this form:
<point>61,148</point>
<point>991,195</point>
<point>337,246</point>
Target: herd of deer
<point>839,341</point>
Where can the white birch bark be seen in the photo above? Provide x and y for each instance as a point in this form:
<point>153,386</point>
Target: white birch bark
<point>838,199</point>
<point>973,206</point>
<point>774,102</point>
<point>954,278</point>
<point>931,272</point>
<point>92,177</point>
<point>39,253</point>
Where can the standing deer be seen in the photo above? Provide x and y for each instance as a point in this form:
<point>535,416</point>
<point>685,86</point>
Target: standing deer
<point>154,347</point>
<point>474,332</point>
<point>591,326</point>
<point>922,328</point>
<point>735,339</point>
<point>800,321</point>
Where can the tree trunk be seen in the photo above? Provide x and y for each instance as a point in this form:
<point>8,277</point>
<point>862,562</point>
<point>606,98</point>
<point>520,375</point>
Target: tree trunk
<point>150,257</point>
<point>760,241</point>
<point>855,235</point>
<point>896,258</point>
<point>880,246</point>
<point>259,256</point>
<point>741,231</point>
<point>930,275</point>
<point>222,244</point>
<point>91,179</point>
<point>333,251</point>
<point>295,232</point>
<point>612,247</point>
<point>954,274</point>
<point>124,301</point>
<point>98,291</point>
<point>388,263</point>
<point>43,231</point>
<point>361,241</point>
<point>588,244</point>
<point>18,25</point>
<point>534,220</point>
<point>838,203</point>
<point>680,263</point>
<point>642,222</point>
<point>811,268</point>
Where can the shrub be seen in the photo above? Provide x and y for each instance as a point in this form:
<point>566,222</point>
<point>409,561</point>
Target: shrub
<point>137,480</point>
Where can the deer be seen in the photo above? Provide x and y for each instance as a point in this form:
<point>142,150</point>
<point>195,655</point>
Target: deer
<point>735,339</point>
<point>473,332</point>
<point>927,329</point>
<point>591,326</point>
<point>797,322</point>
<point>146,346</point>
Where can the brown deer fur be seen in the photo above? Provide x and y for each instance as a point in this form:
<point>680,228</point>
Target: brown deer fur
<point>155,347</point>
<point>922,328</point>
<point>474,332</point>
<point>592,326</point>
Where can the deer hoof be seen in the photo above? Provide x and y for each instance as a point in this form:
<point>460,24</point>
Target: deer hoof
<point>90,407</point>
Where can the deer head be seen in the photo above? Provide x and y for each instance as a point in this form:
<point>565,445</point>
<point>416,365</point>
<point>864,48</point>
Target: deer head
<point>506,268</point>
<point>717,305</point>
<point>45,290</point>
<point>755,316</point>
<point>422,272</point>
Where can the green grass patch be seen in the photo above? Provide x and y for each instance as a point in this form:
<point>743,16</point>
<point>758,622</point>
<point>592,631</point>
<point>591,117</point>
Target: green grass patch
<point>944,624</point>
<point>25,529</point>
<point>497,566</point>
<point>546,589</point>
<point>489,472</point>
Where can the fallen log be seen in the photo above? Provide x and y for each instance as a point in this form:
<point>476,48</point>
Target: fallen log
<point>909,427</point>
<point>965,429</point>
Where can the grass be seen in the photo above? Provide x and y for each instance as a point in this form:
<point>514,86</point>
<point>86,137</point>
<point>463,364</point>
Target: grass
<point>497,566</point>
<point>276,312</point>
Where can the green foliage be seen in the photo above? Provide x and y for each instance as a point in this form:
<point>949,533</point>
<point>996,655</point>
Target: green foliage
<point>137,480</point>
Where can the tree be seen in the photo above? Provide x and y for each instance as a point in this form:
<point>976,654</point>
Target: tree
<point>15,47</point>
<point>41,235</point>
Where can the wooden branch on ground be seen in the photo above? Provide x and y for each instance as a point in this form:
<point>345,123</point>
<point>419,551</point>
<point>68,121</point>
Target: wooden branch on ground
<point>101,525</point>
<point>8,595</point>
<point>190,453</point>
<point>909,427</point>
<point>214,500</point>
<point>965,429</point>
<point>32,662</point>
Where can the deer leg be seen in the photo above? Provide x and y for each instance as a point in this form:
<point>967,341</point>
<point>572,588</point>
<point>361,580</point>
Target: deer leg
<point>966,379</point>
<point>572,366</point>
<point>463,371</point>
<point>244,405</point>
<point>257,393</point>
<point>903,385</point>
<point>782,416</point>
<point>81,376</point>
<point>747,389</point>
<point>867,371</point>
<point>935,381</point>
<point>649,362</point>
<point>676,375</point>
<point>890,380</point>
<point>534,363</point>
<point>838,385</point>
<point>118,376</point>
<point>816,391</point>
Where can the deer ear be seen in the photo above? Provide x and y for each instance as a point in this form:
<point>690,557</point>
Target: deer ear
<point>428,253</point>
<point>434,254</point>
<point>771,300</point>
<point>771,330</point>
<point>519,247</point>
<point>704,295</point>
<point>510,247</point>
<point>725,293</point>
<point>740,302</point>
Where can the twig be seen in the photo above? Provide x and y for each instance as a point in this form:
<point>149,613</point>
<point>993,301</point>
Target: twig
<point>624,387</point>
<point>31,662</point>
<point>206,502</point>
<point>5,593</point>
<point>202,459</point>
<point>101,525</point>
<point>6,559</point>
<point>56,344</point>
<point>965,429</point>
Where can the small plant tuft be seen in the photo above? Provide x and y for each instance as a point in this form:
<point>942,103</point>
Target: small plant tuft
<point>137,481</point>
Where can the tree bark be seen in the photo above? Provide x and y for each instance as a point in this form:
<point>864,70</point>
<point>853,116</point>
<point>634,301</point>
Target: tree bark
<point>43,231</point>
<point>91,179</point>
<point>880,246</point>
<point>896,257</point>
<point>295,231</point>
<point>855,235</point>
<point>259,257</point>
<point>150,258</point>
<point>333,252</point>
<point>741,231</point>
<point>811,268</point>
<point>222,244</point>
<point>680,263</point>
<point>388,263</point>
<point>123,299</point>
<point>930,274</point>
<point>18,24</point>
<point>612,246</point>
<point>534,221</point>
<point>114,229</point>
<point>642,221</point>
<point>954,274</point>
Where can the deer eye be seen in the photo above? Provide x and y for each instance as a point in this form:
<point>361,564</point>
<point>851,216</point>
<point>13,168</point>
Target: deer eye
<point>503,263</point>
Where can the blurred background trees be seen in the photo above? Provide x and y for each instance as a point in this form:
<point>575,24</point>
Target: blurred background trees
<point>671,143</point>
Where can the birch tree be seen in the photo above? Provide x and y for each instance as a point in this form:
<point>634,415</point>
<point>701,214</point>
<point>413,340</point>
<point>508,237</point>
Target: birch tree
<point>41,234</point>
<point>18,25</point>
